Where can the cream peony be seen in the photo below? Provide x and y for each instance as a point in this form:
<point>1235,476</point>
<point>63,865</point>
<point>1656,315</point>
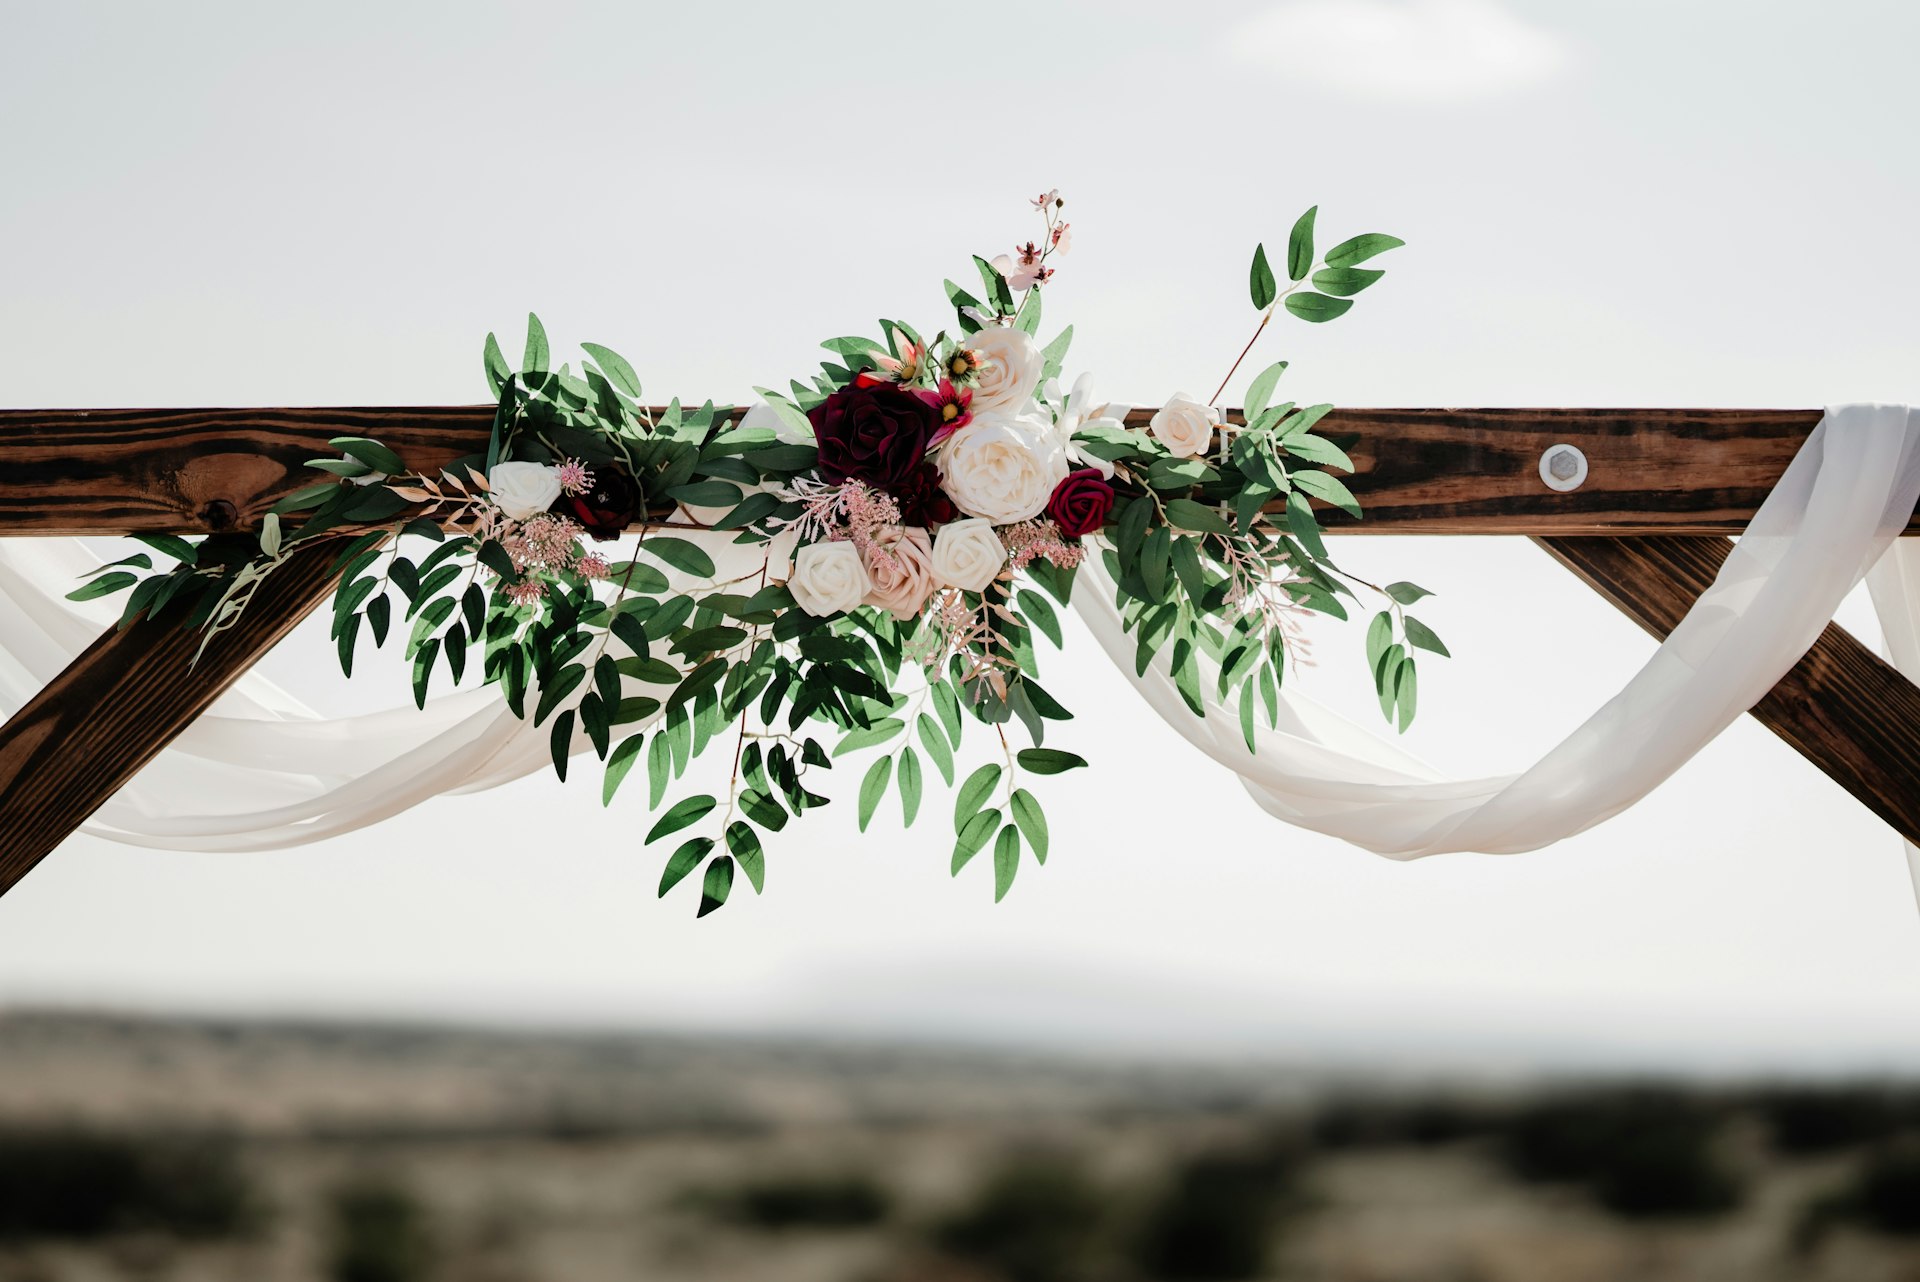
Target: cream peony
<point>1003,467</point>
<point>1010,368</point>
<point>1185,426</point>
<point>524,490</point>
<point>902,571</point>
<point>828,578</point>
<point>968,554</point>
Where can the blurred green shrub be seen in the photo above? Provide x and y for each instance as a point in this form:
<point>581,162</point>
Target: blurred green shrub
<point>1215,1220</point>
<point>378,1231</point>
<point>1641,1153</point>
<point>1038,1219</point>
<point>76,1184</point>
<point>801,1201</point>
<point>1822,1119</point>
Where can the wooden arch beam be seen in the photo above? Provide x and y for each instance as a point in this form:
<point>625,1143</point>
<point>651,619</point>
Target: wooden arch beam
<point>1842,707</point>
<point>124,698</point>
<point>1418,471</point>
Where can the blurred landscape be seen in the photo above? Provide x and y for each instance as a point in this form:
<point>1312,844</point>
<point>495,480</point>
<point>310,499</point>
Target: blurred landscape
<point>148,1149</point>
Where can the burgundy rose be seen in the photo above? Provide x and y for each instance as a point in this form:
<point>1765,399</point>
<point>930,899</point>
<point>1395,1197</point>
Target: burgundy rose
<point>873,432</point>
<point>922,501</point>
<point>606,510</point>
<point>1080,503</point>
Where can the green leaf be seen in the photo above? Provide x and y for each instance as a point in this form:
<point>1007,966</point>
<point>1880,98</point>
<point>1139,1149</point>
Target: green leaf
<point>1304,526</point>
<point>1246,714</point>
<point>1405,593</point>
<point>684,861</point>
<point>615,367</point>
<point>1032,821</point>
<point>1189,515</point>
<point>1047,761</point>
<point>974,836</point>
<point>1260,391</point>
<point>744,844</point>
<point>947,704</point>
<point>372,453</point>
<point>535,358</point>
<point>1379,637</point>
<point>1361,248</point>
<point>180,550</point>
<point>1006,861</point>
<point>1317,307</point>
<point>936,745</point>
<point>684,814</point>
<point>561,743</point>
<point>1260,282</point>
<point>973,794</point>
<point>618,764</point>
<point>496,366</point>
<point>1419,634</point>
<point>686,557</point>
<point>1300,247</point>
<point>718,883</point>
<point>879,732</point>
<point>909,786</point>
<point>1345,281</point>
<point>706,494</point>
<point>1328,488</point>
<point>874,787</point>
<point>1037,611</point>
<point>1155,559</point>
<point>102,586</point>
<point>1317,449</point>
<point>1407,695</point>
<point>1055,353</point>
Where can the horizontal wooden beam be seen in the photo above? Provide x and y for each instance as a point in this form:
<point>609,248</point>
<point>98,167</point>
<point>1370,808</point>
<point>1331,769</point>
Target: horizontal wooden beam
<point>1420,471</point>
<point>126,697</point>
<point>1842,707</point>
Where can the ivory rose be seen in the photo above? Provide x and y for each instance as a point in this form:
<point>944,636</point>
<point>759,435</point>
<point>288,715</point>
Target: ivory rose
<point>968,554</point>
<point>1003,467</point>
<point>524,490</point>
<point>901,568</point>
<point>1010,368</point>
<point>1184,425</point>
<point>828,578</point>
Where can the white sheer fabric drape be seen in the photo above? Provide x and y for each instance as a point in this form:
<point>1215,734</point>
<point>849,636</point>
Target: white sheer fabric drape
<point>261,772</point>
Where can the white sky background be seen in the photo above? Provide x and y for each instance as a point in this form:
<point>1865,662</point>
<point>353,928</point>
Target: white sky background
<point>1611,203</point>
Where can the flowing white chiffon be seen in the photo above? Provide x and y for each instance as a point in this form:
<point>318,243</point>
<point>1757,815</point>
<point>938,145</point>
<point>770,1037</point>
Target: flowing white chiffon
<point>260,771</point>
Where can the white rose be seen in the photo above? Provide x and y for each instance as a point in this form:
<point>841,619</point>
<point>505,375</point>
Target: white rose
<point>1003,467</point>
<point>968,554</point>
<point>902,571</point>
<point>828,578</point>
<point>524,490</point>
<point>1010,368</point>
<point>1185,426</point>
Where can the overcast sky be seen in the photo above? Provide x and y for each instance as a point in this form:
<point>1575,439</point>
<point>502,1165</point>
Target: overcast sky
<point>1633,202</point>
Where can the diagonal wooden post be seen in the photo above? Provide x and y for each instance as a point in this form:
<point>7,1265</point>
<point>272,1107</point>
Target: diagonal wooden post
<point>126,697</point>
<point>1842,707</point>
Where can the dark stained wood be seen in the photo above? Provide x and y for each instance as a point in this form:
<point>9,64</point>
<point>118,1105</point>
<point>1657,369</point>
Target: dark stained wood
<point>122,700</point>
<point>195,471</point>
<point>1842,707</point>
<point>1420,471</point>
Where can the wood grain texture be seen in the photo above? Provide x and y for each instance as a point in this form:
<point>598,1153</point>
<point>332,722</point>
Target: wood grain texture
<point>1432,471</point>
<point>122,700</point>
<point>1842,707</point>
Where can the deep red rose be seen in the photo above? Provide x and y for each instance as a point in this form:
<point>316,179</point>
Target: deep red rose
<point>877,433</point>
<point>1080,503</point>
<point>922,501</point>
<point>606,510</point>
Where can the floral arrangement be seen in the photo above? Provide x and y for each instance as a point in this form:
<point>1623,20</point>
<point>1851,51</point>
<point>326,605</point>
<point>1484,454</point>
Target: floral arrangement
<point>910,519</point>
